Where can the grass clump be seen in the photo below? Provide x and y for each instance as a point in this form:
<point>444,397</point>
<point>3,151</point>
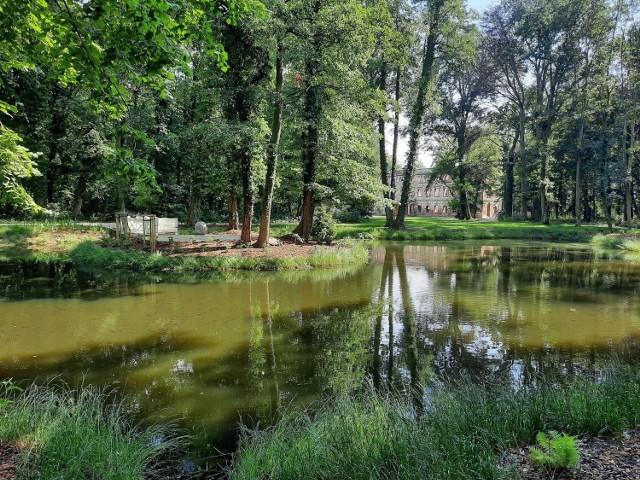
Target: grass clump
<point>78,434</point>
<point>463,434</point>
<point>629,246</point>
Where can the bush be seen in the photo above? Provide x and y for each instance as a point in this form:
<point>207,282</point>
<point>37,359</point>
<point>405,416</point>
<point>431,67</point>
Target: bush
<point>323,229</point>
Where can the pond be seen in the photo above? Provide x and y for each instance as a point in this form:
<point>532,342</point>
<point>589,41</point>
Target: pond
<point>211,351</point>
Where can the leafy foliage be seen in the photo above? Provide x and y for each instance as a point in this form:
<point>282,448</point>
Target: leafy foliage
<point>555,450</point>
<point>16,163</point>
<point>324,226</point>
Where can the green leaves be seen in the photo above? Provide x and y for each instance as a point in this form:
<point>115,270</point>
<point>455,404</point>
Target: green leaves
<point>16,163</point>
<point>6,387</point>
<point>555,450</point>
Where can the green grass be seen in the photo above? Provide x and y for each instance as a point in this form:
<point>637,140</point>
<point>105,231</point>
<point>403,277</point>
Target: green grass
<point>464,435</point>
<point>628,246</point>
<point>90,255</point>
<point>44,240</point>
<point>427,228</point>
<point>79,435</point>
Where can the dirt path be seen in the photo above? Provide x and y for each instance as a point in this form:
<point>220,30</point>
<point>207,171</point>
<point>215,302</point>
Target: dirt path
<point>8,454</point>
<point>600,459</point>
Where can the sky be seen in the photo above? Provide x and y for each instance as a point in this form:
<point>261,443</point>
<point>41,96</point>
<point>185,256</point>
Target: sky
<point>479,5</point>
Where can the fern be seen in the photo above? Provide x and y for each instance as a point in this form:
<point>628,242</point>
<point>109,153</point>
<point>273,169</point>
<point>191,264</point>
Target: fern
<point>555,450</point>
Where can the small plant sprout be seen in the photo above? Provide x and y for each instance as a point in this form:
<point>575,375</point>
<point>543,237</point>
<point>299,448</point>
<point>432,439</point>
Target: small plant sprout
<point>558,451</point>
<point>7,386</point>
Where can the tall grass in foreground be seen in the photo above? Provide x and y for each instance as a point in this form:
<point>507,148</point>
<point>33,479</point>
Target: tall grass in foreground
<point>80,435</point>
<point>463,435</point>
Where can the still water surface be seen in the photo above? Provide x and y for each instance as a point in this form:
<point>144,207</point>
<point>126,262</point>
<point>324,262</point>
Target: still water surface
<point>212,351</point>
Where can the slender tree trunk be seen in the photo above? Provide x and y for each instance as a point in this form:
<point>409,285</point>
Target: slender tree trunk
<point>382,144</point>
<point>272,153</point>
<point>232,219</point>
<point>509,178</point>
<point>310,135</point>
<point>523,165</point>
<point>396,137</point>
<point>417,114</point>
<point>247,197</point>
<point>81,187</point>
<point>121,182</point>
<point>544,212</point>
<point>629,176</point>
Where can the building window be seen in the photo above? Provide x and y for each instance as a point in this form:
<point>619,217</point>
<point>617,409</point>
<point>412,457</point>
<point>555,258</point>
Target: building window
<point>419,192</point>
<point>446,192</point>
<point>437,192</point>
<point>427,192</point>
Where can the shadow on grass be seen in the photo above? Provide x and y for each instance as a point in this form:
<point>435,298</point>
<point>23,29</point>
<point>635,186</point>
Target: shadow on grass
<point>14,241</point>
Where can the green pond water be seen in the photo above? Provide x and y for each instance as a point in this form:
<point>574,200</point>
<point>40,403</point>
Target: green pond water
<point>211,351</point>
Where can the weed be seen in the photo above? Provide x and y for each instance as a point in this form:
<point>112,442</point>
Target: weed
<point>555,450</point>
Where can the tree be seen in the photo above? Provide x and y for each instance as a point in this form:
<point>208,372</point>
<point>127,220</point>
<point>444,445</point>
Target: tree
<point>466,81</point>
<point>435,18</point>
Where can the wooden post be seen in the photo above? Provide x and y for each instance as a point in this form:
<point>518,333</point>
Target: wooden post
<point>152,233</point>
<point>144,229</point>
<point>117,226</point>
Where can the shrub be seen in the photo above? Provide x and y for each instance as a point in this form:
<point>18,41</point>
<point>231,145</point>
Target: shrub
<point>555,450</point>
<point>323,229</point>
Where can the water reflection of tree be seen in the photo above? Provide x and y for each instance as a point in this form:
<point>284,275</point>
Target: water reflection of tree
<point>472,318</point>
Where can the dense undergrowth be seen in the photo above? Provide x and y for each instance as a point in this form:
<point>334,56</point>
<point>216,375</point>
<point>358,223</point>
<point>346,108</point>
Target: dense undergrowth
<point>90,255</point>
<point>65,434</point>
<point>464,434</point>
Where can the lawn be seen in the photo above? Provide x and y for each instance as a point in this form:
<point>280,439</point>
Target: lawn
<point>430,228</point>
<point>44,240</point>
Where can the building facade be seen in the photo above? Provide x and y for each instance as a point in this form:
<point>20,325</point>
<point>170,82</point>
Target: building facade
<point>433,200</point>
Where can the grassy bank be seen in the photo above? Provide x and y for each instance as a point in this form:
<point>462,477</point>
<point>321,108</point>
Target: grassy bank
<point>626,243</point>
<point>45,241</point>
<point>428,228</point>
<point>464,435</point>
<point>79,435</point>
<point>90,255</point>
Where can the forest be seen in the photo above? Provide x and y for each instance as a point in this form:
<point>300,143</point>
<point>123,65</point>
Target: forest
<point>244,111</point>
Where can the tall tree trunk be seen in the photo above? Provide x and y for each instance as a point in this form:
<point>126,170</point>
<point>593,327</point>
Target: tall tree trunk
<point>272,153</point>
<point>509,178</point>
<point>310,134</point>
<point>382,145</point>
<point>396,137</point>
<point>579,166</point>
<point>629,177</point>
<point>417,114</point>
<point>121,182</point>
<point>523,165</point>
<point>544,214</point>
<point>246,171</point>
<point>81,187</point>
<point>232,219</point>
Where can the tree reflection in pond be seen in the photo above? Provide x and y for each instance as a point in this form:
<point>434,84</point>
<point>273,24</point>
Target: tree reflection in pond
<point>243,345</point>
